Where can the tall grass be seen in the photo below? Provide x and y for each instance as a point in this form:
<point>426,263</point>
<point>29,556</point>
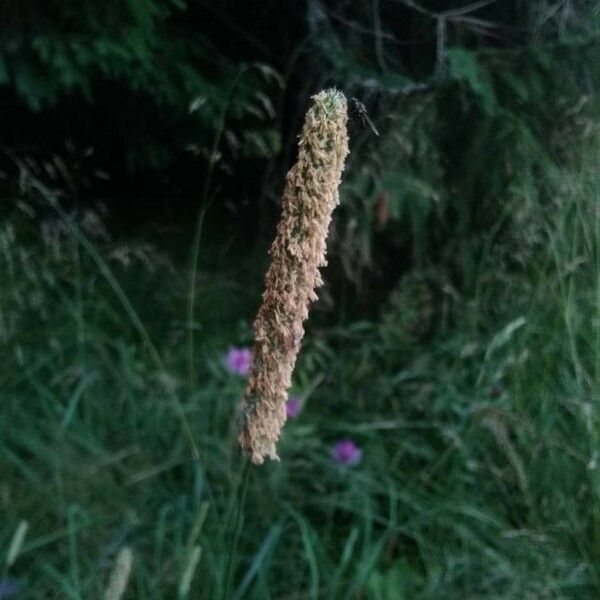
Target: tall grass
<point>479,476</point>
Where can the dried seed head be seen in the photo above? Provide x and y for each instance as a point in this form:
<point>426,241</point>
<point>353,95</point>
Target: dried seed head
<point>120,575</point>
<point>311,194</point>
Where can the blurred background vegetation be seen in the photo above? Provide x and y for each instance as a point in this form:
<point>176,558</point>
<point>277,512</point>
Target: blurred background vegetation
<point>456,340</point>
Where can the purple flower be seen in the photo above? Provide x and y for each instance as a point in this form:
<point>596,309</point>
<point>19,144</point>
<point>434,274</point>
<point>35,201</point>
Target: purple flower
<point>293,406</point>
<point>346,452</point>
<point>238,360</point>
<point>9,588</point>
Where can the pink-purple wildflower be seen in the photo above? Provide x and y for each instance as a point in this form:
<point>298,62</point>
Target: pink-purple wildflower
<point>346,452</point>
<point>293,406</point>
<point>9,588</point>
<point>239,360</point>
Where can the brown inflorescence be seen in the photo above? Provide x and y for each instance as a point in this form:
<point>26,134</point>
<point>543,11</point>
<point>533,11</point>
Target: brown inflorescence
<point>311,194</point>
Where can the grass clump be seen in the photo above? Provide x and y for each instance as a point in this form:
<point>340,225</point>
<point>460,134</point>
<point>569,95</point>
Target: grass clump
<point>479,438</point>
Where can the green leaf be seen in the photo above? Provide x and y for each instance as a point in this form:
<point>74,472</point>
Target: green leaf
<point>464,66</point>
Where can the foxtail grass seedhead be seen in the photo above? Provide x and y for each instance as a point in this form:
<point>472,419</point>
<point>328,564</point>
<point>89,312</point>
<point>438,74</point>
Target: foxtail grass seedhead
<point>311,194</point>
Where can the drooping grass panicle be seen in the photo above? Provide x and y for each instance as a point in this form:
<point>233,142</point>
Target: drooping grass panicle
<point>120,575</point>
<point>310,196</point>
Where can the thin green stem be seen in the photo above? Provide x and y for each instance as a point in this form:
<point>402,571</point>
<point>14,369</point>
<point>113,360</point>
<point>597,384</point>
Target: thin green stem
<point>239,519</point>
<point>129,309</point>
<point>198,235</point>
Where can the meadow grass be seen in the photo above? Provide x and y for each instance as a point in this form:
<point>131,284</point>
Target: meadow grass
<point>479,475</point>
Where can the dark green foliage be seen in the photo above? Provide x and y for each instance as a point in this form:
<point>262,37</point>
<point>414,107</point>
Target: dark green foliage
<point>471,127</point>
<point>457,339</point>
<point>131,62</point>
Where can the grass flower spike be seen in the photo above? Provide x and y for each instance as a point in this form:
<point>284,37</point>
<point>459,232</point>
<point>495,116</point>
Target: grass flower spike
<point>311,194</point>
